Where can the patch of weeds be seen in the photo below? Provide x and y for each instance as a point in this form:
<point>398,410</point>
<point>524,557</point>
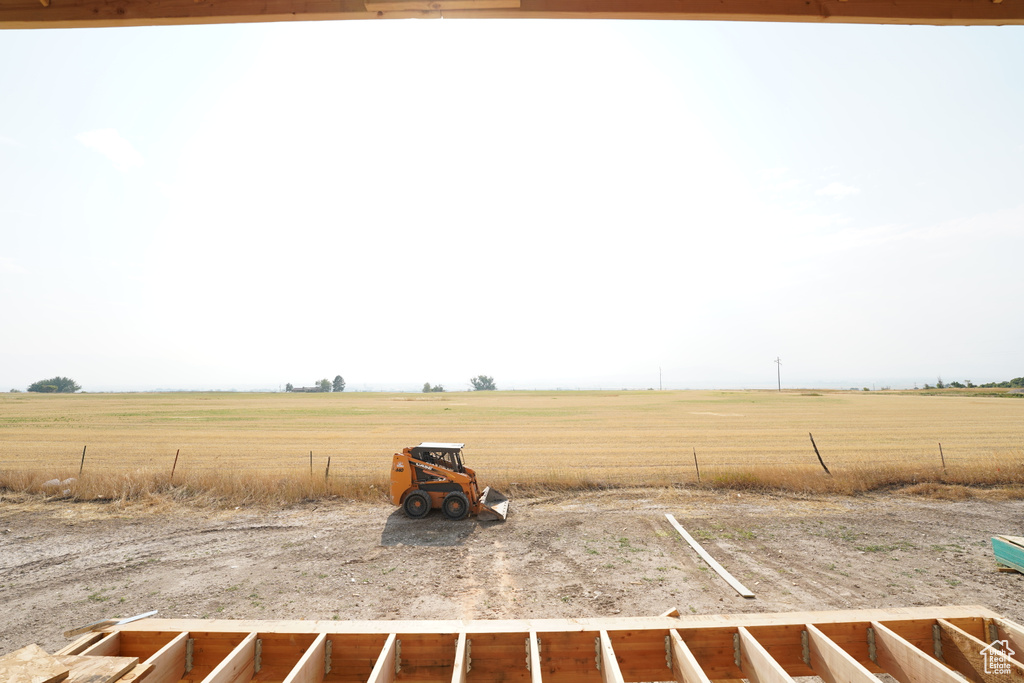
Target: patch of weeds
<point>98,596</point>
<point>948,547</point>
<point>954,582</point>
<point>693,609</point>
<point>591,551</point>
<point>608,565</point>
<point>233,588</point>
<point>388,571</point>
<point>321,576</point>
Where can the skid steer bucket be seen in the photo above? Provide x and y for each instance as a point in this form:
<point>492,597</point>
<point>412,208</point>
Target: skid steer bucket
<point>493,505</point>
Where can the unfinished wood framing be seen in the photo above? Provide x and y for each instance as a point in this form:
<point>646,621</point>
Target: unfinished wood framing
<point>923,644</point>
<point>98,13</point>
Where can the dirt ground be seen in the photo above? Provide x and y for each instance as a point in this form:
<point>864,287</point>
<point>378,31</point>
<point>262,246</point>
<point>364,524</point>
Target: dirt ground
<point>589,554</point>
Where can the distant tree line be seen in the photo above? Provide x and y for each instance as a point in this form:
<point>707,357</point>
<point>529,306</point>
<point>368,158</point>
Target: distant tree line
<point>323,386</point>
<point>1015,383</point>
<point>55,385</point>
<point>429,389</point>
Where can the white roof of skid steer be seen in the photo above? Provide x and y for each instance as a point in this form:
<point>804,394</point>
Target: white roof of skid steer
<point>431,444</point>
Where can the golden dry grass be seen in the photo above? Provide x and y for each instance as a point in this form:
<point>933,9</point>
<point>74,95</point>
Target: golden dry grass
<point>242,448</point>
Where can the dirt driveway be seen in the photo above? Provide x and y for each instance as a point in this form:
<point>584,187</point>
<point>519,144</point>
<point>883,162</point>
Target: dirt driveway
<point>593,554</point>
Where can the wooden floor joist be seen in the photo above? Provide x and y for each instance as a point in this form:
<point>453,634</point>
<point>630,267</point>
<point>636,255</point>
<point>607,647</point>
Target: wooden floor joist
<point>913,645</point>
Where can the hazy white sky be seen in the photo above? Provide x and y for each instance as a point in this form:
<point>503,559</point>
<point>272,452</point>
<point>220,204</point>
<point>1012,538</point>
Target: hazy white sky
<point>553,203</point>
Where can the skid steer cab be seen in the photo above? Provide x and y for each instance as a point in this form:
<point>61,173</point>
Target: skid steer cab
<point>432,475</point>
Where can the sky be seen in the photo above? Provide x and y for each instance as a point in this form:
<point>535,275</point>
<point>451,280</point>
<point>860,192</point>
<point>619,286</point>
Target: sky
<point>554,203</point>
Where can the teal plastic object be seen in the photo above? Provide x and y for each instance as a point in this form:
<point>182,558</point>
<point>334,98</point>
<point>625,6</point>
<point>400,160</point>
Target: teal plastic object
<point>1009,551</point>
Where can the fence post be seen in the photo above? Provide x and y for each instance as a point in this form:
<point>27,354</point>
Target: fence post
<point>83,461</point>
<point>327,471</point>
<point>943,458</point>
<point>818,454</point>
<point>175,465</point>
<point>695,463</point>
<point>311,463</point>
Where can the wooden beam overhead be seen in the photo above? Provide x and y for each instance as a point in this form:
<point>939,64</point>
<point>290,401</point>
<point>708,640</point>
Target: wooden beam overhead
<point>17,14</point>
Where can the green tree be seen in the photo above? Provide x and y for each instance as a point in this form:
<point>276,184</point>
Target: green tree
<point>55,385</point>
<point>325,385</point>
<point>939,384</point>
<point>339,383</point>
<point>437,387</point>
<point>427,388</point>
<point>483,383</point>
<point>288,387</point>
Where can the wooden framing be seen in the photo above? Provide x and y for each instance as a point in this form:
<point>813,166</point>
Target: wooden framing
<point>98,13</point>
<point>914,645</point>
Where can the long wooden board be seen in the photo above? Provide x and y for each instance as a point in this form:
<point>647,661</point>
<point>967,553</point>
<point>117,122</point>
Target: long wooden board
<point>729,579</point>
<point>20,14</point>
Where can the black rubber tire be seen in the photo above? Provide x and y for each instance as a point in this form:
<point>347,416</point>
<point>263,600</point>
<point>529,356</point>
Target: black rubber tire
<point>417,504</point>
<point>455,505</point>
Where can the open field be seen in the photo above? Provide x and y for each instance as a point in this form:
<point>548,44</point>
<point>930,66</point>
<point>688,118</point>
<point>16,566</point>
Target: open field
<point>560,439</point>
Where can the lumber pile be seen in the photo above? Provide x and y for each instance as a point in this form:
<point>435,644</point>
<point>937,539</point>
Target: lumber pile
<point>32,664</point>
<point>1009,552</point>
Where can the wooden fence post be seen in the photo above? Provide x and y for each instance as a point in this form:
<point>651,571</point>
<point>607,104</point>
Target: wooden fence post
<point>175,465</point>
<point>695,463</point>
<point>83,461</point>
<point>943,458</point>
<point>818,454</point>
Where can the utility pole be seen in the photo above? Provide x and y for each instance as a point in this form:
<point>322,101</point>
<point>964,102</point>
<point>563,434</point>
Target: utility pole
<point>778,362</point>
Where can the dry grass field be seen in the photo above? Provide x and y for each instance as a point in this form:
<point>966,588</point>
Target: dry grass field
<point>256,446</point>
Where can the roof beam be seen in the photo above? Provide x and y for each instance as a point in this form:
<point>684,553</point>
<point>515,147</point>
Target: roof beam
<point>18,14</point>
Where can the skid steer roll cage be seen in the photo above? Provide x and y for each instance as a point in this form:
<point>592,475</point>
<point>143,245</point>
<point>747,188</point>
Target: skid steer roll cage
<point>447,457</point>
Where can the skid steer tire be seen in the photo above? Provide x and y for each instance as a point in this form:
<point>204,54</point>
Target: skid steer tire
<point>417,504</point>
<point>455,505</point>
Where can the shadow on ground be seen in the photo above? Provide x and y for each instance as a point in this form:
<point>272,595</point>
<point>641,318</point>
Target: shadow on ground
<point>433,530</point>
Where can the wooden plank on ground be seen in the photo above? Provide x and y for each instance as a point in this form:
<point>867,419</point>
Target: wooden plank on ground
<point>97,669</point>
<point>684,665</point>
<point>906,663</point>
<point>77,646</point>
<point>977,660</point>
<point>832,663</point>
<point>310,667</point>
<point>739,587</point>
<point>31,664</point>
<point>169,661</point>
<point>384,669</point>
<point>461,666</point>
<point>534,649</point>
<point>610,672</point>
<point>237,666</point>
<point>757,664</point>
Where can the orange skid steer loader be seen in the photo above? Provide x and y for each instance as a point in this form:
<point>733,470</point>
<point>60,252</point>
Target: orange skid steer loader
<point>432,475</point>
